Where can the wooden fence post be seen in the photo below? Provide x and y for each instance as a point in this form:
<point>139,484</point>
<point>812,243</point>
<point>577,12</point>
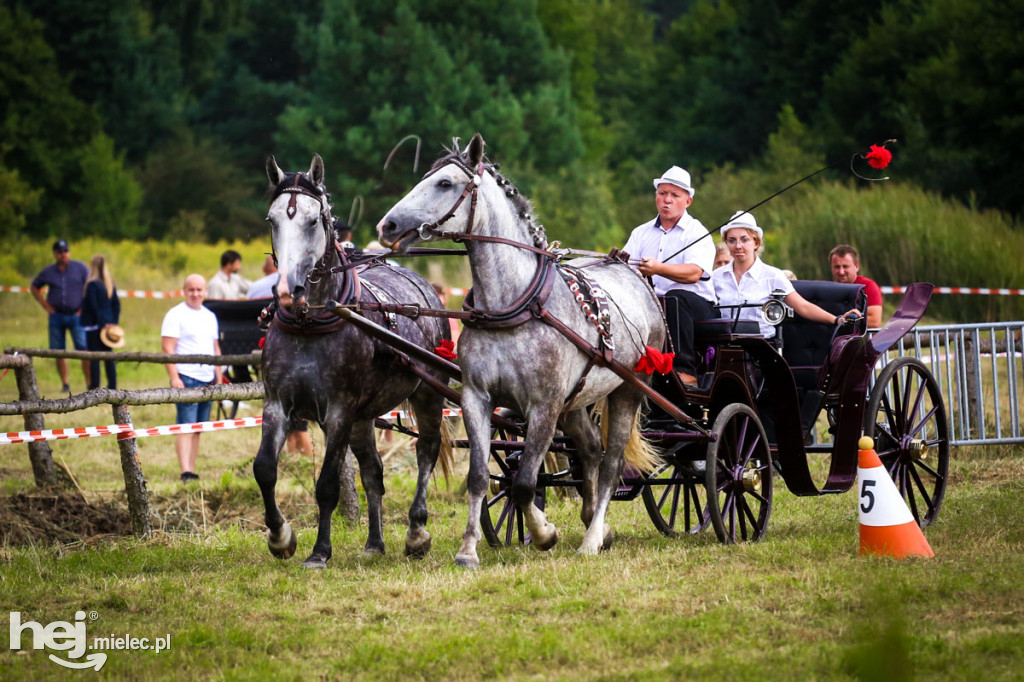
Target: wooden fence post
<point>134,482</point>
<point>39,453</point>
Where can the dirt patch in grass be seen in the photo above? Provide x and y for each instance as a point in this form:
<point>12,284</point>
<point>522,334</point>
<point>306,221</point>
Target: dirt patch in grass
<point>59,517</point>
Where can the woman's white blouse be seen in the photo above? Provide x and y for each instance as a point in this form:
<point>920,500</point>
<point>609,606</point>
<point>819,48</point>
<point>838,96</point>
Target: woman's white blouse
<point>755,286</point>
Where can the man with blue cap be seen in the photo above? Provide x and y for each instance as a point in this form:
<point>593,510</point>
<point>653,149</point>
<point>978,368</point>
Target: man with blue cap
<point>65,282</point>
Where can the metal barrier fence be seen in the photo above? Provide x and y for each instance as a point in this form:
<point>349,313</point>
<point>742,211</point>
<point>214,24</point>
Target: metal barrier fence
<point>978,368</point>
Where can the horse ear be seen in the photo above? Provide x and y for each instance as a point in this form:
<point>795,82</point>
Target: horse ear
<point>316,170</point>
<point>475,152</point>
<point>274,174</point>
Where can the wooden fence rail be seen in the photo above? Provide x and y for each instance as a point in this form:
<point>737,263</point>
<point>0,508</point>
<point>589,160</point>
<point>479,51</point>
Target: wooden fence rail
<point>32,408</point>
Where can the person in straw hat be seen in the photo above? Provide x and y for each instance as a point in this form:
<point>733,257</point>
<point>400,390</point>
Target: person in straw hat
<point>670,251</point>
<point>748,279</point>
<point>101,311</point>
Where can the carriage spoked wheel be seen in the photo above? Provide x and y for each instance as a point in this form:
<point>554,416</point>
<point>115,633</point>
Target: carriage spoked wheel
<point>501,521</point>
<point>738,476</point>
<point>907,418</point>
<point>677,503</point>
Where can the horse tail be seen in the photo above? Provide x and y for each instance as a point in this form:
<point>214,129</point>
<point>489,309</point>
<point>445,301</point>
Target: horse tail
<point>445,455</point>
<point>640,454</point>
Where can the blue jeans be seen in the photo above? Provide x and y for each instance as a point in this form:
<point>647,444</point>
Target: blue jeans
<point>60,323</point>
<point>190,413</point>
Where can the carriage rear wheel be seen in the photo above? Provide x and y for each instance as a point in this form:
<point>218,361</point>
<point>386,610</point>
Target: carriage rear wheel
<point>738,476</point>
<point>907,418</point>
<point>677,502</point>
<point>501,521</point>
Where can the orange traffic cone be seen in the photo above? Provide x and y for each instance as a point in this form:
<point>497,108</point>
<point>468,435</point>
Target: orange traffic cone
<point>886,525</point>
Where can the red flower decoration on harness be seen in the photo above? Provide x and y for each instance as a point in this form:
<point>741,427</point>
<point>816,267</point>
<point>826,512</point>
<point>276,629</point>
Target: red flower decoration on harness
<point>878,157</point>
<point>653,360</point>
<point>263,340</point>
<point>446,350</point>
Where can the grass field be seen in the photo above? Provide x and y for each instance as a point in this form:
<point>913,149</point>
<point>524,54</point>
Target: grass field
<point>799,605</point>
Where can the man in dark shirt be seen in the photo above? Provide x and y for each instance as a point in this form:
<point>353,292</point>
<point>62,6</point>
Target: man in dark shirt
<point>65,280</point>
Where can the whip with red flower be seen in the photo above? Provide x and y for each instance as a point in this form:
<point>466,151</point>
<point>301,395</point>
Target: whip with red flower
<point>878,157</point>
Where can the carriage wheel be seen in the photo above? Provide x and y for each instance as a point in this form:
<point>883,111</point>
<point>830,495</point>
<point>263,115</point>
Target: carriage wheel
<point>738,476</point>
<point>907,419</point>
<point>501,521</point>
<point>680,505</point>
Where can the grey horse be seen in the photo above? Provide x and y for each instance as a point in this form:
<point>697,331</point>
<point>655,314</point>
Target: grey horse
<point>319,368</point>
<point>528,365</point>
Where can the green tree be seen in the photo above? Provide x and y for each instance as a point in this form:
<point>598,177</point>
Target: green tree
<point>111,197</point>
<point>18,201</point>
<point>193,184</point>
<point>437,69</point>
<point>945,78</point>
<point>42,126</point>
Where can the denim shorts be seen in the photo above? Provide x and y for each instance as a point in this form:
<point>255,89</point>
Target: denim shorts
<point>59,324</point>
<point>190,413</point>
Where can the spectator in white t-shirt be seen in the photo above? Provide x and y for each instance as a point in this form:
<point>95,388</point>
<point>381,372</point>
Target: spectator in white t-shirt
<point>191,329</point>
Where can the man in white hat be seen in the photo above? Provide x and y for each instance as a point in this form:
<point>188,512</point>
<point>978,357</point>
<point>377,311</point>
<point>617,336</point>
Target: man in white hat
<point>672,251</point>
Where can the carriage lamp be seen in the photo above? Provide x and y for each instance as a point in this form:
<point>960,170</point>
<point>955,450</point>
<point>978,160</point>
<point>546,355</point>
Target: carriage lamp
<point>775,312</point>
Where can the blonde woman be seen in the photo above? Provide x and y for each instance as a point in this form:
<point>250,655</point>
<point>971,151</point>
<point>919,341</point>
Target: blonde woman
<point>749,280</point>
<point>101,311</point>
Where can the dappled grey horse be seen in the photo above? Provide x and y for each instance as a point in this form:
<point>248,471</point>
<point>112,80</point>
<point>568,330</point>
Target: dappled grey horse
<point>512,355</point>
<point>320,368</point>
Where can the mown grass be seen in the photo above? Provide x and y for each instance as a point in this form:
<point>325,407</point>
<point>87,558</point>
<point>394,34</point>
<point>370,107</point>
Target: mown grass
<point>799,605</point>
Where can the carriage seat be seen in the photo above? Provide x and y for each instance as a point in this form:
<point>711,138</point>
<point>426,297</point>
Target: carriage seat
<point>722,329</point>
<point>805,344</point>
<point>240,331</point>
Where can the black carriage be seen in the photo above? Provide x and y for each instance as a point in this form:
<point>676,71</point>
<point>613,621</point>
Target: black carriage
<point>755,417</point>
<point>240,334</point>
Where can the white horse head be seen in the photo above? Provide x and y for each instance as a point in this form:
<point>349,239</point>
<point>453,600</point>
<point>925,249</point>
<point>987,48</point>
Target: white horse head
<point>462,193</point>
<point>301,229</point>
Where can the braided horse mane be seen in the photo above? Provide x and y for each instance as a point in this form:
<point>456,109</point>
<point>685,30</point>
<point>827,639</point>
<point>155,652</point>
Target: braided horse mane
<point>522,206</point>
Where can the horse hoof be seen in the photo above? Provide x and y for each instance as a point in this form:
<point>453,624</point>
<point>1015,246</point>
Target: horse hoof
<point>550,541</point>
<point>609,538</point>
<point>315,561</point>
<point>586,550</point>
<point>467,561</point>
<point>419,549</point>
<point>371,553</point>
<point>285,549</point>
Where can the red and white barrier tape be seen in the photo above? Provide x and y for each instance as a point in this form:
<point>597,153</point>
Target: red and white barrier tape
<point>130,293</point>
<point>961,290</point>
<point>123,431</point>
<point>456,291</point>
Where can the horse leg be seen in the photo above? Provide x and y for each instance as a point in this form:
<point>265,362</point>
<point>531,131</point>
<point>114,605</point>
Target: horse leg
<point>622,406</point>
<point>371,472</point>
<point>587,437</point>
<point>476,414</point>
<point>428,407</point>
<point>542,422</point>
<point>328,485</point>
<point>280,538</point>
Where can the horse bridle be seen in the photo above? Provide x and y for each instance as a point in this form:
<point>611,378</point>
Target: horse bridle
<point>472,190</point>
<point>319,269</point>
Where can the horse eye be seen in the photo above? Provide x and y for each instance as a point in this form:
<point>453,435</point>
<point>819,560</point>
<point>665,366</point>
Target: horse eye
<point>444,183</point>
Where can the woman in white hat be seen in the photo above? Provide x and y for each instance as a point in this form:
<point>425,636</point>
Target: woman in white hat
<point>101,311</point>
<point>749,280</point>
